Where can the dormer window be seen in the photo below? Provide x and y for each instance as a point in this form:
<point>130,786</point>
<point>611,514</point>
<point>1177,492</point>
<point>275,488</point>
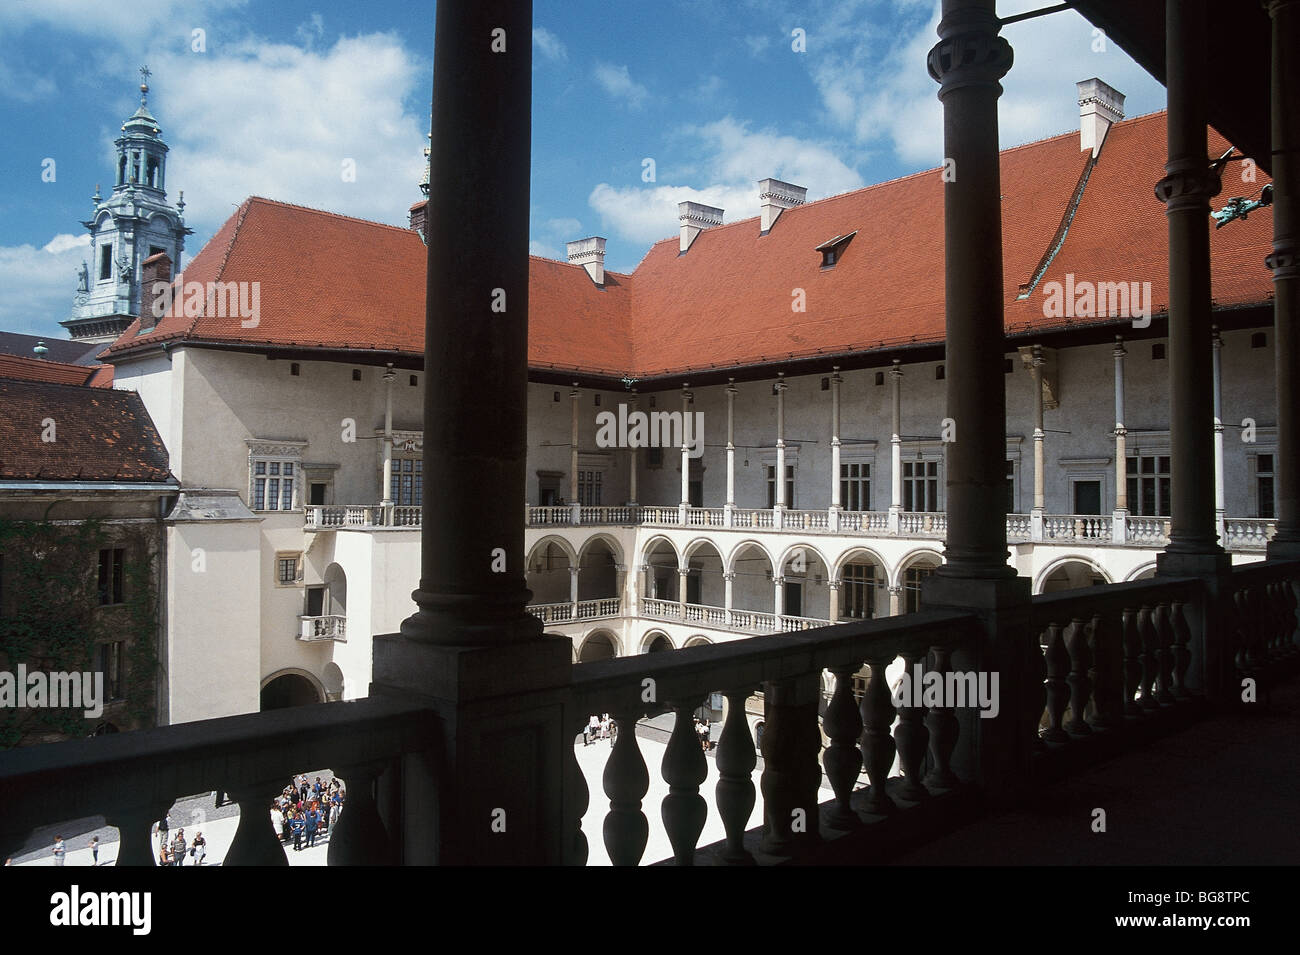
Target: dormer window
<point>833,249</point>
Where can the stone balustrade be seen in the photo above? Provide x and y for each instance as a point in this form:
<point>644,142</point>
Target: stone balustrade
<point>326,627</point>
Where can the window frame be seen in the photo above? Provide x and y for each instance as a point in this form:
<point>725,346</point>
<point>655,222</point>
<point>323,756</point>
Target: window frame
<point>269,455</point>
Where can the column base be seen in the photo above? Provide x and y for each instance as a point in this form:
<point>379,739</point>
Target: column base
<point>1283,550</point>
<point>973,593</point>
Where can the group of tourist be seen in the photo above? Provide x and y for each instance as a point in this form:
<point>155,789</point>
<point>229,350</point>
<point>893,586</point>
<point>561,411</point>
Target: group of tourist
<point>174,850</point>
<point>702,730</point>
<point>599,727</point>
<point>306,811</point>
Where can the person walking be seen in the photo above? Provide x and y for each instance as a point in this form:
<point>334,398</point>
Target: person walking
<point>60,851</point>
<point>298,824</point>
<point>94,849</point>
<point>178,848</point>
<point>199,848</point>
<point>164,858</point>
<point>313,823</point>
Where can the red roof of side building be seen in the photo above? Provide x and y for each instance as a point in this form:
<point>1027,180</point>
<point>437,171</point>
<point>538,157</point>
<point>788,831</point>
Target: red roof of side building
<point>38,369</point>
<point>329,281</point>
<point>59,432</point>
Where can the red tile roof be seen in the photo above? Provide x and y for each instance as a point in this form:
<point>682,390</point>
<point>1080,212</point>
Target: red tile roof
<point>38,369</point>
<point>99,434</point>
<point>329,281</point>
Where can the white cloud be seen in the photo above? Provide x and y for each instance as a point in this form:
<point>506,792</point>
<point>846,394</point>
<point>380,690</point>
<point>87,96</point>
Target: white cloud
<point>549,44</point>
<point>278,121</point>
<point>140,19</point>
<point>310,30</point>
<point>544,250</point>
<point>618,84</point>
<point>757,44</point>
<point>39,284</point>
<point>734,159</point>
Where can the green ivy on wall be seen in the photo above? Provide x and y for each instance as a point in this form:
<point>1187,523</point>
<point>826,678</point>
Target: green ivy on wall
<point>51,618</point>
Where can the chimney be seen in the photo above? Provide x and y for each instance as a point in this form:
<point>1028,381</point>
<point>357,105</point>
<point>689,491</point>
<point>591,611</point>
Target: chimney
<point>695,218</point>
<point>590,254</point>
<point>419,213</point>
<point>774,197</point>
<point>157,269</point>
<point>1100,106</point>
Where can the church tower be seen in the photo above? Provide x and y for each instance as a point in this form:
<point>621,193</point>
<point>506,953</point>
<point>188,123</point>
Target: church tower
<point>133,223</point>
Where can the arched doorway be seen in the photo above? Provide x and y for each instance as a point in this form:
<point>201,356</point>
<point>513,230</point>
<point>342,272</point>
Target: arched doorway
<point>599,645</point>
<point>656,642</point>
<point>1071,574</point>
<point>290,689</point>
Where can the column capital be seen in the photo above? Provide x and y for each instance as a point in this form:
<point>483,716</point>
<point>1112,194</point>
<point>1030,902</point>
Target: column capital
<point>620,568</point>
<point>683,571</point>
<point>729,576</point>
<point>834,583</point>
<point>1188,185</point>
<point>897,371</point>
<point>969,51</point>
<point>1285,259</point>
<point>642,568</point>
<point>573,571</point>
<point>1120,351</point>
<point>778,581</point>
<point>1215,338</point>
<point>895,591</point>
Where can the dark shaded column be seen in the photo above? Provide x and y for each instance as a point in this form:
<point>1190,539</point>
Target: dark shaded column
<point>968,61</point>
<point>490,788</point>
<point>1186,190</point>
<point>1285,263</point>
<point>476,329</point>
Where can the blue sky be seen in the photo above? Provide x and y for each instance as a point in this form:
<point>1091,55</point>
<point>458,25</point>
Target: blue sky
<point>284,92</point>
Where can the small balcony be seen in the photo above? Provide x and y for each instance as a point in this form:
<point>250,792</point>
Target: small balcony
<point>322,628</point>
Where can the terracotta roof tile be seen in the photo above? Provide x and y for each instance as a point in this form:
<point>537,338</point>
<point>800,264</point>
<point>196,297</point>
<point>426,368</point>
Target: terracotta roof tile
<point>38,369</point>
<point>99,435</point>
<point>331,281</point>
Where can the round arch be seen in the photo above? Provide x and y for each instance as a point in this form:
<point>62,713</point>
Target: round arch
<point>332,679</point>
<point>853,555</point>
<point>1071,580</point>
<point>789,553</point>
<point>698,640</point>
<point>729,563</point>
<point>699,544</point>
<point>652,545</point>
<point>598,645</point>
<point>559,542</point>
<point>656,641</point>
<point>608,540</point>
<point>911,558</point>
<point>1142,572</point>
<point>336,590</point>
<point>291,686</point>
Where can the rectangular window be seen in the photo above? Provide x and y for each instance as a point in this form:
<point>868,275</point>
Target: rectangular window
<point>408,482</point>
<point>109,660</point>
<point>110,576</point>
<point>105,262</point>
<point>1148,485</point>
<point>770,469</point>
<point>858,592</point>
<point>1087,497</point>
<point>920,485</point>
<point>912,578</point>
<point>855,486</point>
<point>286,568</point>
<point>1264,488</point>
<point>589,488</point>
<point>1011,487</point>
<point>273,485</point>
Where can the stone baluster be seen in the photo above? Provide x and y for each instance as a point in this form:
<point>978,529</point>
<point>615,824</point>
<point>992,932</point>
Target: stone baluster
<point>1291,601</point>
<point>626,780</point>
<point>575,783</point>
<point>1132,641</point>
<point>877,743</point>
<point>134,826</point>
<point>912,738</point>
<point>843,760</point>
<point>734,794</point>
<point>360,837</point>
<point>684,768</point>
<point>1181,649</point>
<point>942,723</point>
<point>1035,699</point>
<point>1276,622</point>
<point>1238,630</point>
<point>1076,644</point>
<point>1150,662</point>
<point>791,742</point>
<point>1057,659</point>
<point>1107,673</point>
<point>256,842</point>
<point>1164,652</point>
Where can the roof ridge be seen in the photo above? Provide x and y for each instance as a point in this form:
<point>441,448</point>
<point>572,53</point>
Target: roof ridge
<point>327,212</point>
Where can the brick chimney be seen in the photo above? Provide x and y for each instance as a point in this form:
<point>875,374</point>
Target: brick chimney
<point>1100,106</point>
<point>154,271</point>
<point>419,213</point>
<point>774,197</point>
<point>590,254</point>
<point>695,218</point>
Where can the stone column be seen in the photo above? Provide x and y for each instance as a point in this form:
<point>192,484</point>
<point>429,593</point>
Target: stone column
<point>573,590</point>
<point>895,601</point>
<point>834,517</point>
<point>681,591</point>
<point>778,518</point>
<point>778,596</point>
<point>968,61</point>
<point>471,647</point>
<point>574,504</point>
<point>1119,519</point>
<point>632,455</point>
<point>1036,515</point>
<point>728,581</point>
<point>729,512</point>
<point>686,456</point>
<point>896,448</point>
<point>386,493</point>
<point>833,585</point>
<point>1285,263</point>
<point>1186,190</point>
<point>1219,510</point>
